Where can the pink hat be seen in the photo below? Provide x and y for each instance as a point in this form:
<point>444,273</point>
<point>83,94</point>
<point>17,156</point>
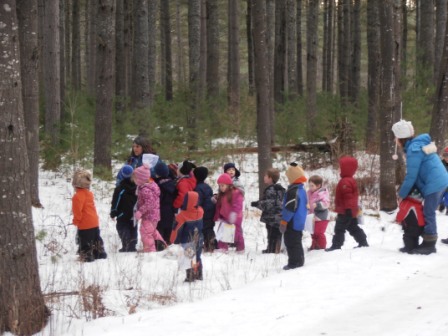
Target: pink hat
<point>142,174</point>
<point>225,179</point>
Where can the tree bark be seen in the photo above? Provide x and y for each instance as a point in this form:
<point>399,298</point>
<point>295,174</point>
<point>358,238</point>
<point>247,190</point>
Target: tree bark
<point>212,49</point>
<point>194,43</point>
<point>291,26</point>
<point>105,89</point>
<point>355,69</point>
<point>373,75</point>
<point>233,70</point>
<point>203,50</point>
<point>91,46</point>
<point>120,63</point>
<point>140,97</point>
<point>76,46</point>
<point>166,49</point>
<point>270,42</point>
<point>62,28</point>
<point>262,90</point>
<point>311,66</point>
<point>441,12</point>
<point>51,70</point>
<point>390,103</point>
<point>299,49</point>
<point>152,49</point>
<point>280,51</point>
<point>29,64</point>
<point>425,45</point>
<point>22,309</point>
<point>250,48</point>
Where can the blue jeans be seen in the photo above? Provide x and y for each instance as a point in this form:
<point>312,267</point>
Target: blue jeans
<point>430,205</point>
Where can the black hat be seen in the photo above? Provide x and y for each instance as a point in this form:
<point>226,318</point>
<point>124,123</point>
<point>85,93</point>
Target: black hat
<point>231,165</point>
<point>161,169</point>
<point>186,167</point>
<point>200,173</point>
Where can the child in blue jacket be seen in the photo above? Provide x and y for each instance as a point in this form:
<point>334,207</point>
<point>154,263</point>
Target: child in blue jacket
<point>294,212</point>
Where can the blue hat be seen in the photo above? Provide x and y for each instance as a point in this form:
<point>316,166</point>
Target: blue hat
<point>161,169</point>
<point>126,172</point>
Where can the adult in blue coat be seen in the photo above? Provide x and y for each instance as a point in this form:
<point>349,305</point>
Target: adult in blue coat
<point>425,171</point>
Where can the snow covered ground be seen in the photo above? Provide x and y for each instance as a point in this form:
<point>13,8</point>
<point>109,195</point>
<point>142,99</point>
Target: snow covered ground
<point>368,291</point>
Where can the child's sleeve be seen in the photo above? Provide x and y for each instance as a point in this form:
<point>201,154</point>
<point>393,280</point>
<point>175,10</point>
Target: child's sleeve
<point>290,205</point>
<point>77,206</point>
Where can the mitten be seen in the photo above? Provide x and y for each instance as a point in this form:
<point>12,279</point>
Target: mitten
<point>254,204</point>
<point>282,226</point>
<point>232,217</point>
<point>137,215</point>
<point>113,214</point>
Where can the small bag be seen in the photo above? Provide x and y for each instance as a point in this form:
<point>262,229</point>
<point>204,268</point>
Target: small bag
<point>226,232</point>
<point>309,223</point>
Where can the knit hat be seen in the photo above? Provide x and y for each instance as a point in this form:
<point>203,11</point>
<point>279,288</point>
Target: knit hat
<point>229,165</point>
<point>173,170</point>
<point>403,129</point>
<point>161,169</point>
<point>225,179</point>
<point>200,173</point>
<point>142,174</point>
<point>295,172</point>
<point>186,167</point>
<point>125,172</point>
<point>82,179</point>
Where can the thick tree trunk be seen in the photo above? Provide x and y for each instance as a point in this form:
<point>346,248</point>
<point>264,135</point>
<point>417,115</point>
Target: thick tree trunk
<point>425,45</point>
<point>127,35</point>
<point>250,48</point>
<point>91,46</point>
<point>194,42</point>
<point>404,38</point>
<point>311,66</point>
<point>120,63</point>
<point>76,46</point>
<point>51,70</point>
<point>299,49</point>
<point>22,309</point>
<point>373,76</point>
<point>140,97</point>
<point>327,46</point>
<point>180,59</point>
<point>280,51</point>
<point>67,42</point>
<point>439,120</point>
<point>166,49</point>
<point>291,26</point>
<point>203,50</point>
<point>105,85</point>
<point>212,49</point>
<point>355,63</point>
<point>270,42</point>
<point>389,100</point>
<point>29,63</point>
<point>233,70</point>
<point>262,89</point>
<point>441,12</point>
<point>152,49</point>
<point>62,28</point>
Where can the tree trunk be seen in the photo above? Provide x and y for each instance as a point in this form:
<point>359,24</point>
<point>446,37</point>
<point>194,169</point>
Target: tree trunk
<point>250,48</point>
<point>152,49</point>
<point>425,45</point>
<point>105,85</point>
<point>389,100</point>
<point>180,63</point>
<point>233,91</point>
<point>299,49</point>
<point>311,67</point>
<point>344,48</point>
<point>373,76</point>
<point>291,26</point>
<point>62,28</point>
<point>140,97</point>
<point>91,45</point>
<point>51,69</point>
<point>127,35</point>
<point>270,42</point>
<point>120,63</point>
<point>67,42</point>
<point>355,69</point>
<point>212,49</point>
<point>327,49</point>
<point>76,47</point>
<point>203,50</point>
<point>262,90</point>
<point>166,49</point>
<point>280,51</point>
<point>439,120</point>
<point>194,44</point>
<point>22,309</point>
<point>29,64</point>
<point>441,12</point>
<point>404,38</point>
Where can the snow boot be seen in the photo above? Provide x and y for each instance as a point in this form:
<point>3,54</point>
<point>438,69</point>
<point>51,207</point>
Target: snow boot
<point>332,248</point>
<point>428,245</point>
<point>190,275</point>
<point>198,272</point>
<point>445,241</point>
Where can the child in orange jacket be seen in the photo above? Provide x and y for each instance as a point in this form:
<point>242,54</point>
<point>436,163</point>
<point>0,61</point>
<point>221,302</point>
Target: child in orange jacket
<point>85,217</point>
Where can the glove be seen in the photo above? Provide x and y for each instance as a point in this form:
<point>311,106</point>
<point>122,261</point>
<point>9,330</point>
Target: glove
<point>255,204</point>
<point>113,214</point>
<point>232,217</point>
<point>138,215</point>
<point>282,226</point>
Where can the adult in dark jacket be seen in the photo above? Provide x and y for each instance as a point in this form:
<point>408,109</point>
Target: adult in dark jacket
<point>168,193</point>
<point>123,202</point>
<point>205,193</point>
<point>425,171</point>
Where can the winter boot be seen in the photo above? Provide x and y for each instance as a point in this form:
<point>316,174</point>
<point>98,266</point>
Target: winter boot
<point>332,248</point>
<point>445,241</point>
<point>428,245</point>
<point>190,275</point>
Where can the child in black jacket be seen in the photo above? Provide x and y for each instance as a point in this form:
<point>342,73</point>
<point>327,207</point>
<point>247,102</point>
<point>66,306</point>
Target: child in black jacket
<point>123,202</point>
<point>205,193</point>
<point>271,207</point>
